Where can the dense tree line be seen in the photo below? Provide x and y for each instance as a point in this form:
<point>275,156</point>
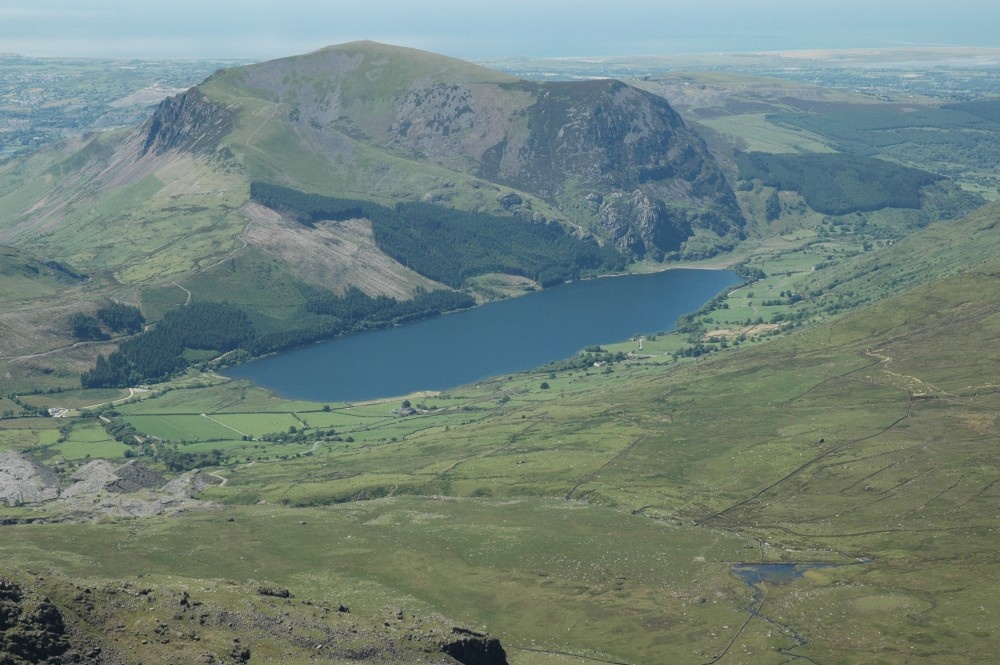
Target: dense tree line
<point>837,184</point>
<point>356,306</point>
<point>987,109</point>
<point>449,245</point>
<point>158,353</point>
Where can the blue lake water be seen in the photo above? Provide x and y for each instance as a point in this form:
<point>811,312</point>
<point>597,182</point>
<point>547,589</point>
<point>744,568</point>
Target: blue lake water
<point>774,573</point>
<point>496,338</point>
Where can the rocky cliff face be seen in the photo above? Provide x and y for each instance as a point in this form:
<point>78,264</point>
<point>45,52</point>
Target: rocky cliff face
<point>185,122</point>
<point>638,223</point>
<point>471,647</point>
<point>564,140</point>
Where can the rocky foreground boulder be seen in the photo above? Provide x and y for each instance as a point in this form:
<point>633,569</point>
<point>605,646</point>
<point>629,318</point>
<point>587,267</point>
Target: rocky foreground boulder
<point>50,619</point>
<point>32,629</point>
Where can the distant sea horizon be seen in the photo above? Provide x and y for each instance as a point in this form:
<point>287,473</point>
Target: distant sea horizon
<point>852,35</point>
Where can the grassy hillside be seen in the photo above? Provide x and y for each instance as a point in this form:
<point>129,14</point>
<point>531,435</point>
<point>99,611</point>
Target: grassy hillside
<point>603,516</point>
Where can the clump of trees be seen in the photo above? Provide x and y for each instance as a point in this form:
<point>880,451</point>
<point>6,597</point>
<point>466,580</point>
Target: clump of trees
<point>158,353</point>
<point>121,318</point>
<point>114,318</point>
<point>86,327</point>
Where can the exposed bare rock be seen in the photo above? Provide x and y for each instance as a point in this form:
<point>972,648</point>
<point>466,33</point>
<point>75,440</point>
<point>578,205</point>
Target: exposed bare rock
<point>187,121</point>
<point>134,476</point>
<point>24,480</point>
<point>190,483</point>
<point>94,476</point>
<point>332,254</point>
<point>101,475</point>
<point>99,489</point>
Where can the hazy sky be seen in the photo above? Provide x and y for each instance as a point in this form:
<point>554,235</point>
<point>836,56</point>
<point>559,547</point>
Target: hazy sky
<point>255,29</point>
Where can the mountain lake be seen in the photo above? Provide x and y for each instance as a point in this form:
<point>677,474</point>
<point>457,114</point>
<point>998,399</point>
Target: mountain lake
<point>496,338</point>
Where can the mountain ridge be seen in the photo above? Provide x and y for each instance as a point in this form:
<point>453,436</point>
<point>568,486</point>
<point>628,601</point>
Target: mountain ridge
<point>561,142</point>
<point>379,123</point>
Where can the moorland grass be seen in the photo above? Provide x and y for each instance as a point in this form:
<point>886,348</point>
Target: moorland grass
<point>598,517</point>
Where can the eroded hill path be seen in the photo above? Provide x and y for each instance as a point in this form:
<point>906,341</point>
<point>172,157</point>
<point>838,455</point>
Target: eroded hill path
<point>915,385</point>
<point>188,293</point>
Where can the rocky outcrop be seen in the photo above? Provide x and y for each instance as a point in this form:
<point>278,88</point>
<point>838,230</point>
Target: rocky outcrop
<point>32,629</point>
<point>102,475</point>
<point>659,180</point>
<point>473,648</point>
<point>134,476</point>
<point>185,122</point>
<point>603,136</point>
<point>639,224</point>
<point>49,619</point>
<point>190,483</point>
<point>24,480</point>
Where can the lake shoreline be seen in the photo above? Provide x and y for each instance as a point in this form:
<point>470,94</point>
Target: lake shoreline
<point>500,337</point>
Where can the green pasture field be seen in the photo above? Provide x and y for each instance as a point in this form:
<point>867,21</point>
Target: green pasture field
<point>89,440</point>
<point>78,399</point>
<point>156,301</point>
<point>36,430</point>
<point>258,424</point>
<point>7,405</point>
<point>18,438</point>
<point>242,452</point>
<point>45,436</point>
<point>181,427</point>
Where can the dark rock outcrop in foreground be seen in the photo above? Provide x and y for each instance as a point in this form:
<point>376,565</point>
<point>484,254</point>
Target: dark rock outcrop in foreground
<point>32,629</point>
<point>50,620</point>
<point>473,648</point>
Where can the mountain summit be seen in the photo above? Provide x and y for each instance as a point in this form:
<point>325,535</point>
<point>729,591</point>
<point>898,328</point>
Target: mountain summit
<point>603,154</point>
